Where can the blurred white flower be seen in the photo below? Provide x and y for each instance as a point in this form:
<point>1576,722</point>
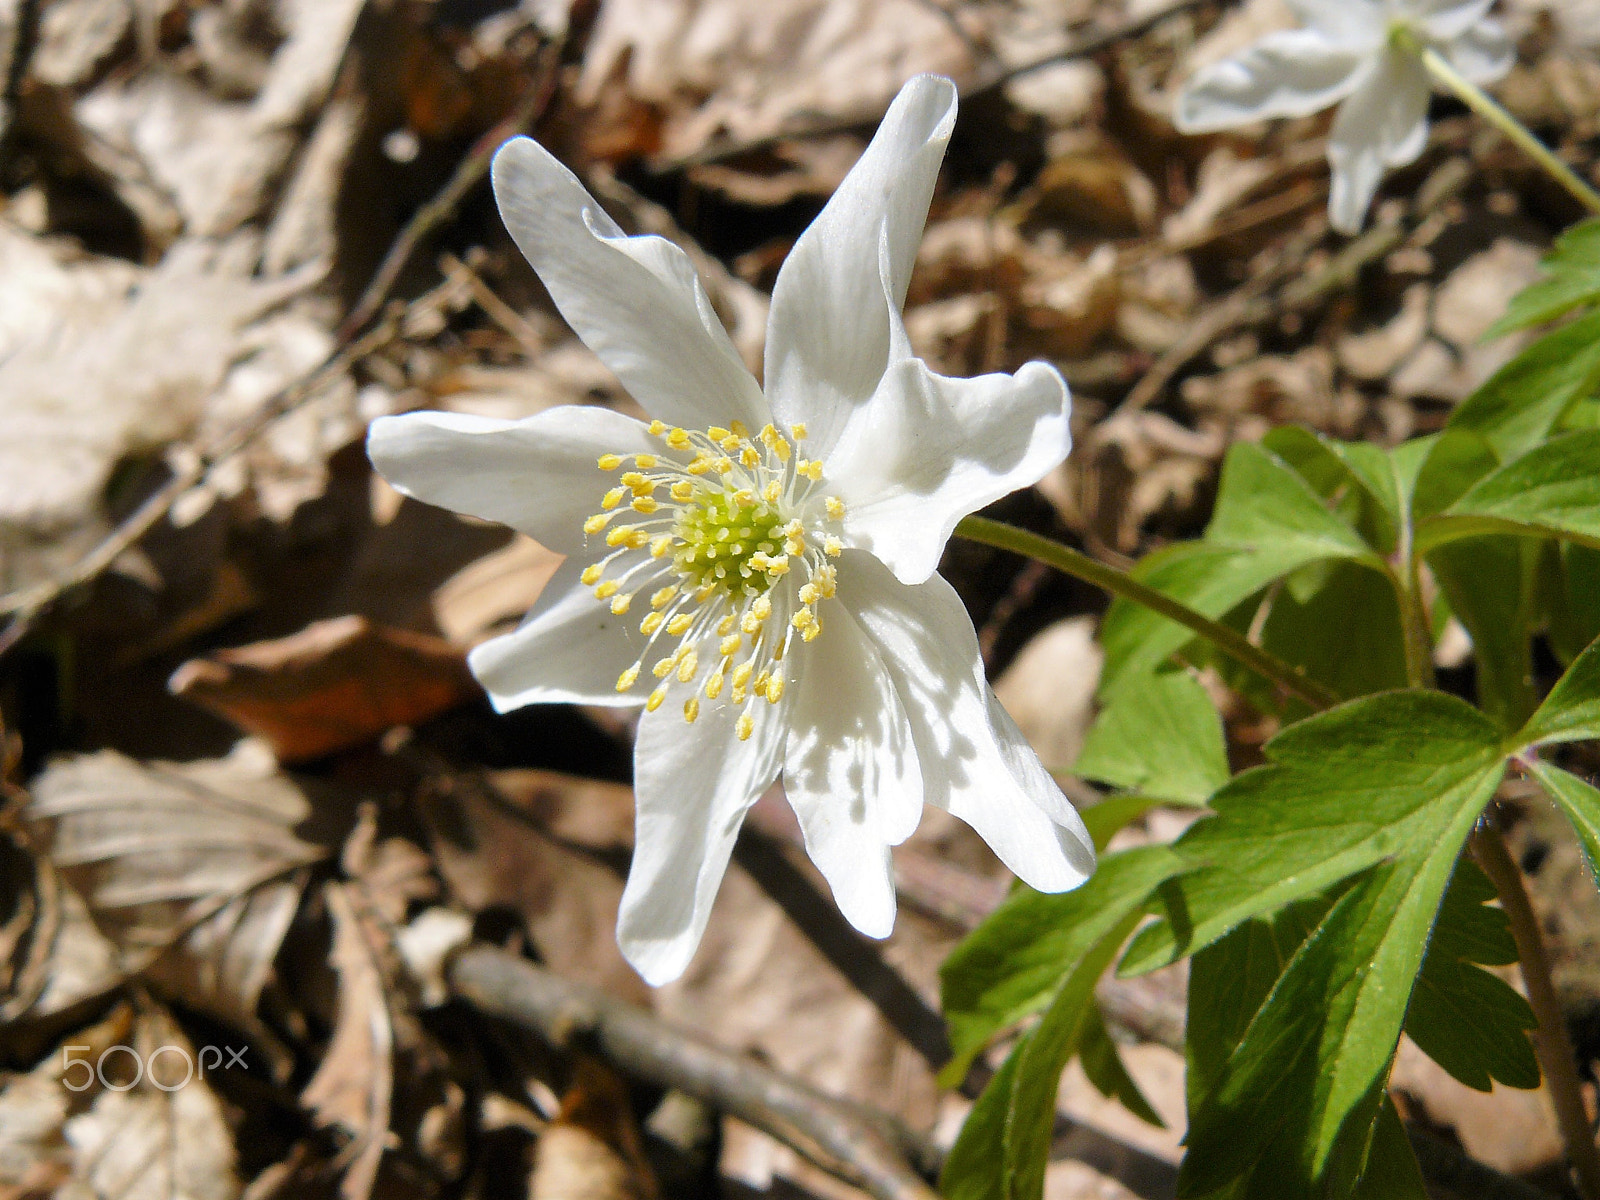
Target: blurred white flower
<point>765,562</point>
<point>1366,53</point>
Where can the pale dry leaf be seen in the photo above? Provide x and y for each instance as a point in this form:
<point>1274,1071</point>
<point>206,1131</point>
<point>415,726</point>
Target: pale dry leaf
<point>197,860</point>
<point>1373,353</point>
<point>727,68</point>
<point>34,1156</point>
<point>498,587</point>
<point>304,67</point>
<point>152,1144</point>
<point>1224,179</point>
<point>75,36</point>
<point>352,1087</point>
<point>391,873</point>
<point>303,226</point>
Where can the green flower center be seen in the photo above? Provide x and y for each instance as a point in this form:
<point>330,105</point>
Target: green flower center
<point>720,542</point>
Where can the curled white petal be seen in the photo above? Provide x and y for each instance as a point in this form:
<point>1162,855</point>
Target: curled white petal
<point>851,771</point>
<point>569,650</point>
<point>828,339</point>
<point>1292,73</point>
<point>1482,53</point>
<point>1384,124</point>
<point>635,301</point>
<point>974,761</point>
<point>692,787</point>
<point>538,475</point>
<point>1446,20</point>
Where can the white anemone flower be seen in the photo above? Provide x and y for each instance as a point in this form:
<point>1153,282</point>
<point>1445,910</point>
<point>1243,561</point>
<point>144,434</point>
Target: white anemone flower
<point>1366,53</point>
<point>762,565</point>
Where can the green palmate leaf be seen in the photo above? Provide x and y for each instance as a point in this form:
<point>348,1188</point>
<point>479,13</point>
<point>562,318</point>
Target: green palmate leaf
<point>1342,790</point>
<point>1489,583</point>
<point>1392,1172</point>
<point>1572,280</point>
<point>1525,399</point>
<point>1296,1105</point>
<point>1268,522</point>
<point>972,1169</point>
<point>1553,490</point>
<point>1581,803</point>
<point>1456,460</point>
<point>1160,737</point>
<point>1031,1113</point>
<point>1103,1066</point>
<point>1102,820</point>
<point>1012,965</point>
<point>1572,709</point>
<point>1470,1022</point>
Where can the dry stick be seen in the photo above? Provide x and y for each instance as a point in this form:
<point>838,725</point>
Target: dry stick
<point>865,1148</point>
<point>1551,1041</point>
<point>1232,643</point>
<point>25,605</point>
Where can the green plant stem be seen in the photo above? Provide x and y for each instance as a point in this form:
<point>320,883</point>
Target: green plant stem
<point>1120,583</point>
<point>1490,110</point>
<point>1551,1041</point>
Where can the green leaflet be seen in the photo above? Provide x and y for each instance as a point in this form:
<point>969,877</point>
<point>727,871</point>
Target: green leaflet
<point>1103,1065</point>
<point>1342,791</point>
<point>1580,801</point>
<point>1525,399</point>
<point>1171,711</point>
<point>1572,280</point>
<point>1268,522</point>
<point>1489,582</point>
<point>1345,633</point>
<point>1553,491</point>
<point>1011,965</point>
<point>1572,709</point>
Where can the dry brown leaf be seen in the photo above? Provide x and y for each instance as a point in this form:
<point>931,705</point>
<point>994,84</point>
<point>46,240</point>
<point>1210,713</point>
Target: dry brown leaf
<point>592,1150</point>
<point>335,684</point>
<point>196,861</point>
<point>354,1082</point>
<point>496,588</point>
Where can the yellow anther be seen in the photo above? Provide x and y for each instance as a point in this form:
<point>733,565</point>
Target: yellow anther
<point>750,623</point>
<point>651,623</point>
<point>731,443</point>
<point>663,596</point>
<point>741,675</point>
<point>832,547</point>
<point>606,590</point>
<point>644,504</point>
<point>713,687</point>
<point>657,428</point>
<point>628,678</point>
<point>634,480</point>
<point>726,625</point>
<point>660,544</point>
<point>678,439</point>
<point>772,491</point>
<point>724,465</point>
<point>810,468</point>
<point>679,624</point>
<point>808,594</point>
<point>730,645</point>
<point>613,498</point>
<point>619,604</point>
<point>638,539</point>
<point>664,666</point>
<point>798,431</point>
<point>619,535</point>
<point>656,697</point>
<point>781,449</point>
<point>688,667</point>
<point>810,631</point>
<point>803,619</point>
<point>835,507</point>
<point>779,566</point>
<point>775,688</point>
<point>597,522</point>
<point>700,466</point>
<point>768,434</point>
<point>610,462</point>
<point>739,428</point>
<point>591,574</point>
<point>691,709</point>
<point>645,461</point>
<point>761,609</point>
<point>744,498</point>
<point>744,726</point>
<point>682,490</point>
<point>794,546</point>
<point>716,433</point>
<point>750,457</point>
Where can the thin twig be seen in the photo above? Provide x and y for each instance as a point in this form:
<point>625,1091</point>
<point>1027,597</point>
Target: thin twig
<point>865,1148</point>
<point>1551,1040</point>
<point>1232,643</point>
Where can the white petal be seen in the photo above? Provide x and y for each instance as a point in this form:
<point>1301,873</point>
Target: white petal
<point>975,763</point>
<point>1383,124</point>
<point>1291,73</point>
<point>850,770</point>
<point>692,787</point>
<point>828,336</point>
<point>1357,23</point>
<point>930,449</point>
<point>1482,53</point>
<point>569,650</point>
<point>539,475</point>
<point>1445,20</point>
<point>635,301</point>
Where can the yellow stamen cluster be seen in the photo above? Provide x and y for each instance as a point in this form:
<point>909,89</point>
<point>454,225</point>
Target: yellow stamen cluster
<point>709,532</point>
